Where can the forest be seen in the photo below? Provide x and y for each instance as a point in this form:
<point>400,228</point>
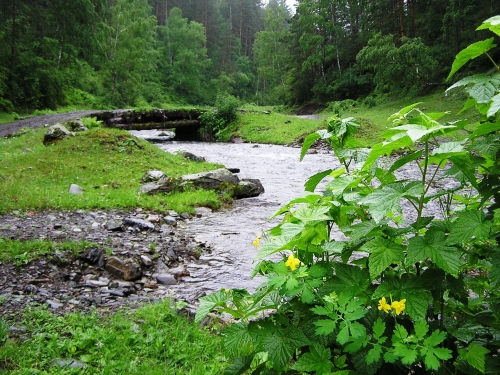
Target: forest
<point>118,53</point>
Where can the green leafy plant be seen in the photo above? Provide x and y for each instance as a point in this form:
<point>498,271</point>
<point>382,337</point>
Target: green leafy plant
<point>91,122</point>
<point>357,285</point>
<point>215,122</point>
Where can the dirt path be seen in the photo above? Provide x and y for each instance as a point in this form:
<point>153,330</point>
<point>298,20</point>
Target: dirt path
<point>39,121</point>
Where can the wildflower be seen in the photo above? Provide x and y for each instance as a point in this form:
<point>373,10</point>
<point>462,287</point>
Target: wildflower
<point>399,306</point>
<point>256,242</point>
<point>383,305</point>
<point>292,262</point>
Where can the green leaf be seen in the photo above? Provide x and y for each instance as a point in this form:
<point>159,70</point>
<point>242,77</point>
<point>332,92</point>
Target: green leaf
<point>407,354</point>
<point>447,149</point>
<point>494,106</point>
<point>325,326</point>
<point>476,356</point>
<point>340,184</point>
<point>307,214</point>
<point>492,24</point>
<point>387,198</point>
<point>282,344</point>
<point>430,361</point>
<point>208,303</point>
<point>485,128</point>
<point>374,354</point>
<point>378,329</point>
<point>385,148</point>
<point>365,229</point>
<point>469,225</point>
<point>237,339</point>
<point>343,335</point>
<point>349,279</point>
<point>421,329</point>
<point>436,338</point>
<point>317,359</point>
<point>432,246</point>
<point>276,244</point>
<point>483,93</point>
<point>239,365</point>
<point>405,160</point>
<point>317,270</point>
<point>471,52</point>
<point>314,180</point>
<point>402,112</point>
<point>308,142</point>
<point>382,254</point>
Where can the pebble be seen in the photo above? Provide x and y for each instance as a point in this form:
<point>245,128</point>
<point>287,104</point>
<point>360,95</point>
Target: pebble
<point>69,282</point>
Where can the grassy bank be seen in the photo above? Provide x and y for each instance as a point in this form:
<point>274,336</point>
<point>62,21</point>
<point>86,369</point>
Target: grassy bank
<point>151,340</point>
<point>108,164</point>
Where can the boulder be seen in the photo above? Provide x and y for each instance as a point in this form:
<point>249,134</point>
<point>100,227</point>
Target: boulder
<point>75,189</point>
<point>212,180</point>
<point>163,185</point>
<point>190,156</point>
<point>126,270</point>
<point>55,133</point>
<point>76,125</point>
<point>138,223</point>
<point>248,188</point>
<point>151,176</point>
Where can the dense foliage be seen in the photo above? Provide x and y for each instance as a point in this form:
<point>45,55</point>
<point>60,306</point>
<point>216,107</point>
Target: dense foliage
<point>150,52</point>
<point>363,279</point>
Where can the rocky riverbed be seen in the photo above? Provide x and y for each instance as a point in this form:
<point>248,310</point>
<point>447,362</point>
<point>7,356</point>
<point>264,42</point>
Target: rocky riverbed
<point>147,245</point>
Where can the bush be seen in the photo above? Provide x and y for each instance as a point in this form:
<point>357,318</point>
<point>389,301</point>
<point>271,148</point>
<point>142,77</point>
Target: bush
<point>216,121</point>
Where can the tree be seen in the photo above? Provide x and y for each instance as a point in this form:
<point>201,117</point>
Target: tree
<point>183,56</point>
<point>128,42</point>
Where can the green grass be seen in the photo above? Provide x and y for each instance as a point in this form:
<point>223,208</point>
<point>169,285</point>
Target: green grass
<point>151,340</point>
<point>273,128</point>
<point>22,252</point>
<point>108,164</point>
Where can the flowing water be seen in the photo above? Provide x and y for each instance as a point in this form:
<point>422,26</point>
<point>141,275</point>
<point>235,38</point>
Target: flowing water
<point>230,232</point>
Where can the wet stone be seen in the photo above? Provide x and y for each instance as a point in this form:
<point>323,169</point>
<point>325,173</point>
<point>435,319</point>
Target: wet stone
<point>166,279</point>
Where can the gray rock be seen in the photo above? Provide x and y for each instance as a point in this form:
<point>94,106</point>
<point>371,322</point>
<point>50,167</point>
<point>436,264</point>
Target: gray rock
<point>114,226</point>
<point>54,304</point>
<point>75,189</point>
<point>190,156</point>
<point>141,224</point>
<point>248,188</point>
<point>68,363</point>
<point>151,176</point>
<point>169,220</point>
<point>125,270</point>
<point>216,179</point>
<point>56,133</point>
<point>93,255</point>
<point>76,125</point>
<point>146,261</point>
<point>166,279</point>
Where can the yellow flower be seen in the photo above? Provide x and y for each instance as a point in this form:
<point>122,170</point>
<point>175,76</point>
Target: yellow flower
<point>256,242</point>
<point>399,306</point>
<point>383,305</point>
<point>292,262</point>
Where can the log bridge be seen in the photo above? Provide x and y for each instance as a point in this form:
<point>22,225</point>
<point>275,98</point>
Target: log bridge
<point>184,122</point>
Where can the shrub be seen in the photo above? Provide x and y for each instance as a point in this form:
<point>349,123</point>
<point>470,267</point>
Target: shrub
<point>225,113</point>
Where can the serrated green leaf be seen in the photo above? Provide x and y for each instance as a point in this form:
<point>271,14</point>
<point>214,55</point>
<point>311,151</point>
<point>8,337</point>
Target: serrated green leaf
<point>442,353</point>
<point>447,149</point>
<point>325,326</point>
<point>239,365</point>
<point>349,279</point>
<point>357,329</point>
<point>317,359</point>
<point>469,225</point>
<point>402,112</point>
<point>340,184</point>
<point>485,128</point>
<point>374,354</point>
<point>307,214</point>
<point>317,270</point>
<point>363,229</point>
<point>405,160</point>
<point>421,329</point>
<point>271,247</point>
<point>407,354</point>
<point>308,142</point>
<point>307,296</point>
<point>387,199</point>
<point>291,284</point>
<point>432,246</point>
<point>209,302</point>
<point>382,254</point>
<point>483,93</point>
<point>314,180</point>
<point>343,335</point>
<point>417,132</point>
<point>430,361</point>
<point>321,310</point>
<point>471,52</point>
<point>237,339</point>
<point>476,356</point>
<point>494,106</point>
<point>281,345</point>
<point>436,338</point>
<point>378,329</point>
<point>492,24</point>
<point>385,148</point>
